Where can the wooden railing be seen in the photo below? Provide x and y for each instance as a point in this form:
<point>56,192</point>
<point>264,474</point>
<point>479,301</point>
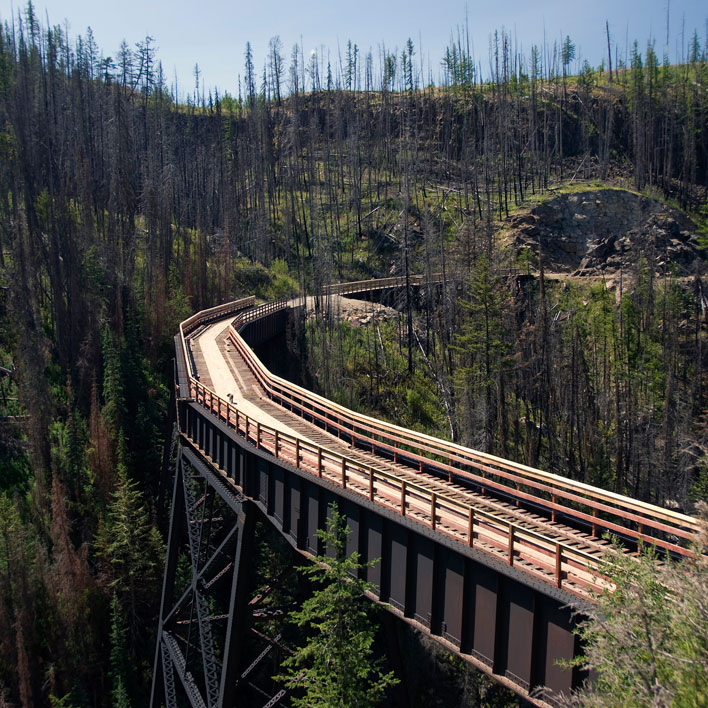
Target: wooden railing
<point>542,556</point>
<point>595,508</point>
<point>256,313</point>
<point>556,561</point>
<point>204,317</point>
<point>361,286</point>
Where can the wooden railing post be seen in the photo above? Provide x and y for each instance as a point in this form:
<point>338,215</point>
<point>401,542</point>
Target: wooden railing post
<point>511,544</point>
<point>258,435</point>
<point>403,497</point>
<point>470,528</point>
<point>371,484</point>
<point>319,461</point>
<point>344,472</point>
<point>559,565</point>
<point>297,453</point>
<point>275,449</point>
<point>432,510</point>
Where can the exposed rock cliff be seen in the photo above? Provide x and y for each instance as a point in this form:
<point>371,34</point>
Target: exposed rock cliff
<point>602,231</point>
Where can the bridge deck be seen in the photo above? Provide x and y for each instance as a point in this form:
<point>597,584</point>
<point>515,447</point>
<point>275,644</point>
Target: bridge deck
<point>483,553</point>
<point>215,363</point>
<point>221,364</point>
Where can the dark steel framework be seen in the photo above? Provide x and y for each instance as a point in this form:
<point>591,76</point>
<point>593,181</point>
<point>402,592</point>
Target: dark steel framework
<point>198,644</point>
<point>512,627</point>
<point>206,617</point>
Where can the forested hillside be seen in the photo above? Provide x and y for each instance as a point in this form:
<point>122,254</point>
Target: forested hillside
<point>122,211</point>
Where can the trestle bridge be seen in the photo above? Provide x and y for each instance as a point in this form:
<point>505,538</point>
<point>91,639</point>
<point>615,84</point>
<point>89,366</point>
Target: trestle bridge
<point>489,557</point>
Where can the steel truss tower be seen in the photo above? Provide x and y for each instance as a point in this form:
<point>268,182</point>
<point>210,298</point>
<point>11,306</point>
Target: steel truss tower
<point>206,618</point>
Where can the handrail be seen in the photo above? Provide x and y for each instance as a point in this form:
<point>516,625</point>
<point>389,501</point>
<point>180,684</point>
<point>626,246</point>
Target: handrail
<point>217,312</point>
<point>555,560</point>
<point>204,316</point>
<point>395,441</point>
<point>256,313</point>
<point>398,281</point>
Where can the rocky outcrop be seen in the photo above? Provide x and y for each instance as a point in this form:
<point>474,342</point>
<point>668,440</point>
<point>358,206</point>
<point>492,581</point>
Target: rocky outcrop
<point>602,231</point>
<point>358,312</point>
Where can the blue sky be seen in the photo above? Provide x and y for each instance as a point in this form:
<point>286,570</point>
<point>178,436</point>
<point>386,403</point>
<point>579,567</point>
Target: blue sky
<point>214,34</point>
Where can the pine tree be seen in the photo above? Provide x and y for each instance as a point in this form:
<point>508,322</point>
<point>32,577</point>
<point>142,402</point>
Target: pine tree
<point>119,656</point>
<point>567,53</point>
<point>113,410</point>
<point>409,51</point>
<point>656,615</point>
<point>250,76</point>
<point>481,348</point>
<point>336,667</point>
<point>130,548</point>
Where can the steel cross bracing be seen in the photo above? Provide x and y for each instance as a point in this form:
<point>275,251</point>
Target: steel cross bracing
<point>196,527</point>
<point>168,675</point>
<point>175,661</point>
<point>203,624</point>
